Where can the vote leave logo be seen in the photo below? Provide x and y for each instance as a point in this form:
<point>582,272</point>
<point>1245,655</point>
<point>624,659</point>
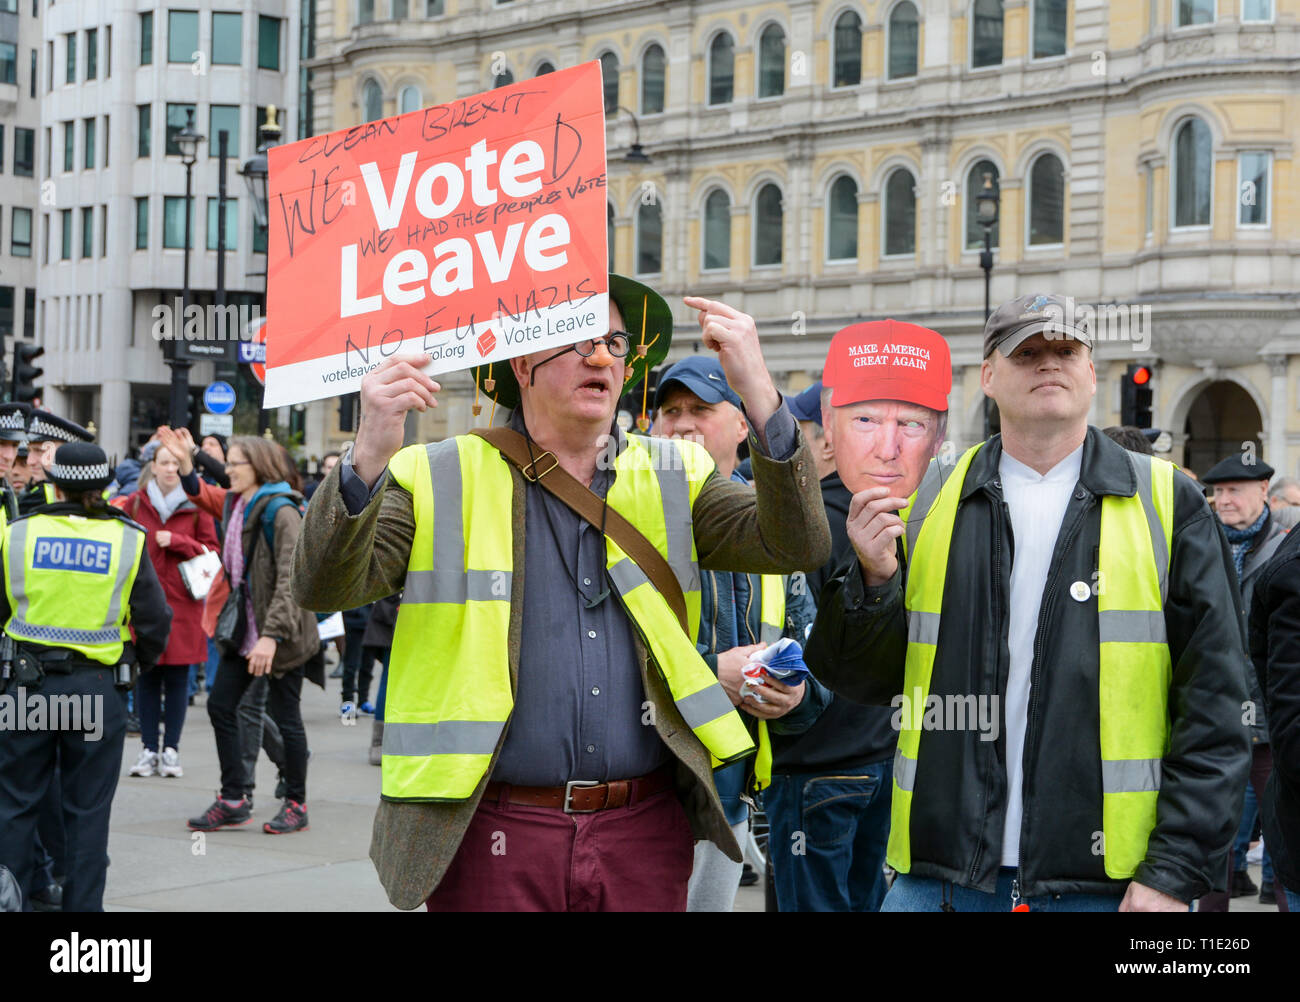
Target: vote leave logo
<point>487,341</point>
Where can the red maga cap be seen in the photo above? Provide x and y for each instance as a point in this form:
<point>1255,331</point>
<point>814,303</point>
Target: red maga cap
<point>889,360</point>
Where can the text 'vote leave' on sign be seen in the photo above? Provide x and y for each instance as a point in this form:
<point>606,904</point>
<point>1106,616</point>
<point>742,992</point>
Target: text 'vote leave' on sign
<point>471,232</point>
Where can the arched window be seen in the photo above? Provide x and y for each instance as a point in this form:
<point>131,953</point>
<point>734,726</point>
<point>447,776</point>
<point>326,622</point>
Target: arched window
<point>372,100</point>
<point>904,39</point>
<point>609,233</point>
<point>1050,20</point>
<point>503,79</point>
<point>848,50</point>
<point>544,68</point>
<point>771,61</point>
<point>652,80</point>
<point>649,238</point>
<point>1046,201</point>
<point>842,220</point>
<point>722,69</point>
<point>974,185</point>
<point>986,36</point>
<point>1191,12</point>
<point>717,231</point>
<point>609,74</point>
<point>1193,173</point>
<point>767,225</point>
<point>408,99</point>
<point>900,212</point>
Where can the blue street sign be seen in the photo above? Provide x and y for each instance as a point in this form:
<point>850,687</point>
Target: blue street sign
<point>252,351</point>
<point>219,398</point>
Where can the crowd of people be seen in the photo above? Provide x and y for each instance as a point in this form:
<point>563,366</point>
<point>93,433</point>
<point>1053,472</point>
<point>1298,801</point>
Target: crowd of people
<point>1049,673</point>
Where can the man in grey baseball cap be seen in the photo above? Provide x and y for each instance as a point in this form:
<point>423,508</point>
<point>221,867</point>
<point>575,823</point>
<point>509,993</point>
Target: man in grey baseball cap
<point>1087,593</point>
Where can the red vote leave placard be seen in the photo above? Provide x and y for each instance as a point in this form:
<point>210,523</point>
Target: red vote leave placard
<point>471,231</point>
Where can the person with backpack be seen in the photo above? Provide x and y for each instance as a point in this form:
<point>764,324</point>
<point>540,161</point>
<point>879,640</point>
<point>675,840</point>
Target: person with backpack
<point>175,531</point>
<point>261,630</point>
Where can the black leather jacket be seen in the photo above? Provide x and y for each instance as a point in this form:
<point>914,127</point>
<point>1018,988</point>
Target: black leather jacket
<point>859,645</point>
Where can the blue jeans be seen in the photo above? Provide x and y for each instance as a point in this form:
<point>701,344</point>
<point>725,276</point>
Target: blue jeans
<point>1293,901</point>
<point>926,894</point>
<point>1250,809</point>
<point>827,839</point>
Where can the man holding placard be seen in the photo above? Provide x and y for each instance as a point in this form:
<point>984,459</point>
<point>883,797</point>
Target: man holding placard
<point>550,736</point>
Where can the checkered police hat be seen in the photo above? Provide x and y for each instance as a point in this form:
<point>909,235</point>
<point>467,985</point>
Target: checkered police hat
<point>79,467</point>
<point>13,421</point>
<point>47,427</point>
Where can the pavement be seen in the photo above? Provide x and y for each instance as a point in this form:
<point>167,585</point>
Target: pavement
<point>159,865</point>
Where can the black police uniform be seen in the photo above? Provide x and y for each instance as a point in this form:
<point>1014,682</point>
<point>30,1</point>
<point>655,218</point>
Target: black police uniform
<point>89,770</point>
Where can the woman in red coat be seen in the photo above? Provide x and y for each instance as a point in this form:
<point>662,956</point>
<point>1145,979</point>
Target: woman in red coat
<point>177,531</point>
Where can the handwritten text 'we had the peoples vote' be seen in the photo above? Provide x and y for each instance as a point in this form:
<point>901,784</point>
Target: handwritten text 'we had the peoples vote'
<point>500,184</point>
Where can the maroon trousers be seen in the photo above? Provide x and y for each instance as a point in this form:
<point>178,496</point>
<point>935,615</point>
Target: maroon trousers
<point>539,859</point>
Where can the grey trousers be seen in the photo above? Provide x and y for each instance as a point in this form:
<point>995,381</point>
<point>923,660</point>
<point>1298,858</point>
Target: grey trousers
<point>715,878</point>
<point>257,731</point>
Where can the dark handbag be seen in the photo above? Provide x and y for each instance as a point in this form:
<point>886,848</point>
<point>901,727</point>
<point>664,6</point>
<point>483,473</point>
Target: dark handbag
<point>232,622</point>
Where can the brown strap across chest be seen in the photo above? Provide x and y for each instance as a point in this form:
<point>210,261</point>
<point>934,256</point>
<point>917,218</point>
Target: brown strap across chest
<point>547,472</point>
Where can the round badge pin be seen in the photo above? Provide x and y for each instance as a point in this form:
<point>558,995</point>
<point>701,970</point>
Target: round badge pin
<point>1079,591</point>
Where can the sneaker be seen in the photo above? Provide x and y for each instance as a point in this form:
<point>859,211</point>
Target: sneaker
<point>366,709</point>
<point>222,815</point>
<point>292,818</point>
<point>748,876</point>
<point>146,764</point>
<point>170,765</point>
<point>132,724</point>
<point>1242,885</point>
<point>1256,855</point>
<point>348,715</point>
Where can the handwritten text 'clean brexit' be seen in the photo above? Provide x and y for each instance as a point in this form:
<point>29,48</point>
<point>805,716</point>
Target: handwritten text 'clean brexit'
<point>408,275</point>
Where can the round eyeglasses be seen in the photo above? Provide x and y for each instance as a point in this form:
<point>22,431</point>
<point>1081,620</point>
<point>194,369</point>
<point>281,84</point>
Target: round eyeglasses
<point>619,343</point>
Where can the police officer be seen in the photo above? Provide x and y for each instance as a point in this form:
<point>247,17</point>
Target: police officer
<point>76,580</point>
<point>45,433</point>
<point>13,433</point>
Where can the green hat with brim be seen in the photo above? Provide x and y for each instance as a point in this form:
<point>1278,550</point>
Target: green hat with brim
<point>646,317</point>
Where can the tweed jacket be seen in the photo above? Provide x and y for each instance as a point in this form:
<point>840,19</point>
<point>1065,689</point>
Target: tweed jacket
<point>343,561</point>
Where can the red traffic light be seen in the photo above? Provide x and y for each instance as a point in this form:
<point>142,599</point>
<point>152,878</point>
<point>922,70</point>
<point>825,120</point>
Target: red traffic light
<point>1141,375</point>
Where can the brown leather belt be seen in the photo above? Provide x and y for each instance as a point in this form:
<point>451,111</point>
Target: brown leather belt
<point>582,797</point>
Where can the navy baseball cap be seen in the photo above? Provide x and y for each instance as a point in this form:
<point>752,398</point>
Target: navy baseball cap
<point>703,376</point>
<point>807,405</point>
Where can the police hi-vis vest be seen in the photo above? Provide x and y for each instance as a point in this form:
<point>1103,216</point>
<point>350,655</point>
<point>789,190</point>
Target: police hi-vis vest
<point>1133,656</point>
<point>69,581</point>
<point>448,696</point>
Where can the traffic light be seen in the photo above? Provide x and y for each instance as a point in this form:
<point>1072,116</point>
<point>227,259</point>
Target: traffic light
<point>25,373</point>
<point>1135,397</point>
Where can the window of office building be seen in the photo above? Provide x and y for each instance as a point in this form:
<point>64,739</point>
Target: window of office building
<point>29,313</point>
<point>182,35</point>
<point>143,129</point>
<point>900,212</point>
<point>70,62</point>
<point>1193,173</point>
<point>717,231</point>
<point>848,50</point>
<point>609,81</point>
<point>6,311</point>
<point>771,61</point>
<point>65,220</point>
<point>87,231</point>
<point>372,100</point>
<point>20,233</point>
<point>974,185</point>
<point>503,79</point>
<point>1257,10</point>
<point>1190,12</point>
<point>1051,18</point>
<point>268,42</point>
<point>8,63</point>
<point>259,236</point>
<point>226,30</point>
<point>88,149</point>
<point>232,223</point>
<point>433,8</point>
<point>69,145</point>
<point>178,116</point>
<point>652,80</point>
<point>768,225</point>
<point>24,151</point>
<point>544,67</point>
<point>141,223</point>
<point>986,38</point>
<point>103,231</point>
<point>722,69</point>
<point>365,11</point>
<point>1254,170</point>
<point>146,38</point>
<point>92,53</point>
<point>223,116</point>
<point>408,99</point>
<point>174,222</point>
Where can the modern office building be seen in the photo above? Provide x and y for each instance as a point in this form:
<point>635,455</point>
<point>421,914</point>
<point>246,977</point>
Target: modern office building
<point>20,116</point>
<point>118,79</point>
<point>816,163</point>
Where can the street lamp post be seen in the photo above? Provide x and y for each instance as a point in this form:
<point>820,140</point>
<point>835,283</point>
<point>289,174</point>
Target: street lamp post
<point>987,203</point>
<point>187,140</point>
<point>255,174</point>
<point>635,154</point>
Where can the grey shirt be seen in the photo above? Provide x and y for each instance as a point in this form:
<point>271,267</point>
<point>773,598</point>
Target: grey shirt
<point>579,711</point>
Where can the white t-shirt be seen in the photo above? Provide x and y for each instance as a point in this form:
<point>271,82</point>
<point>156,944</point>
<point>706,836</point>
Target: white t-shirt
<point>1037,505</point>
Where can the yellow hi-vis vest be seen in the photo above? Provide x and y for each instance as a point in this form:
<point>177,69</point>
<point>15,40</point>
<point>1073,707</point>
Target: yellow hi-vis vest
<point>449,697</point>
<point>771,626</point>
<point>1134,667</point>
<point>69,581</point>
